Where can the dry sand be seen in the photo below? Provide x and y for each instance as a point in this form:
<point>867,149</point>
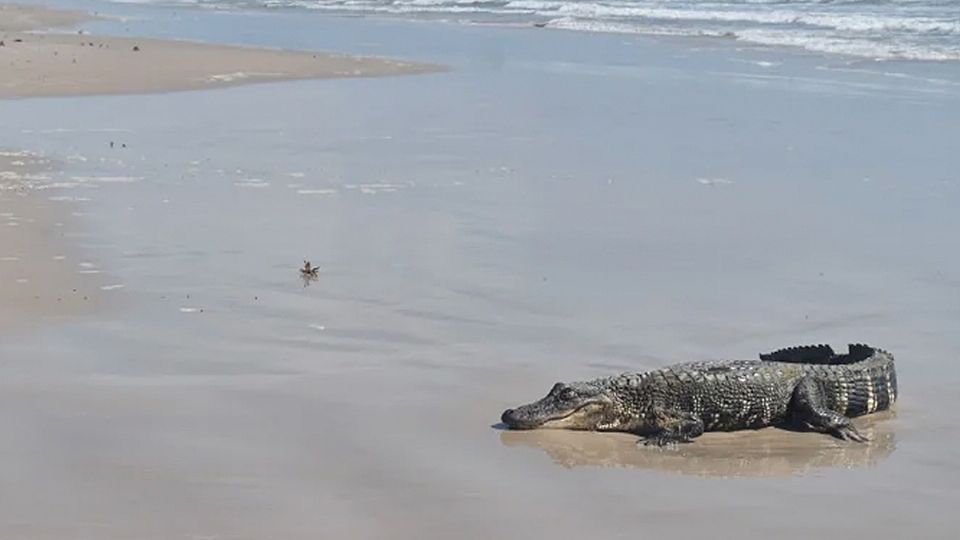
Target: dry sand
<point>15,18</point>
<point>37,64</point>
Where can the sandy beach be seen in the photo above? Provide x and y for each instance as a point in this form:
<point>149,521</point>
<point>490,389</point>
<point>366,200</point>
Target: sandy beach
<point>43,64</point>
<point>555,206</point>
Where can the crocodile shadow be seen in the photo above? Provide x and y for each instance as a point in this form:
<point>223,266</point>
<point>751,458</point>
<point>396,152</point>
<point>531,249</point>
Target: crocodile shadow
<point>769,452</point>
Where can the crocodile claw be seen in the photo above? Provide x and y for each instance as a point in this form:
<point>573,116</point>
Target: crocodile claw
<point>849,433</point>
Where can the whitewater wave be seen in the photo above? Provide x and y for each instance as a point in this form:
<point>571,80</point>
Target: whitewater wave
<point>842,22</point>
<point>821,43</point>
<point>877,29</point>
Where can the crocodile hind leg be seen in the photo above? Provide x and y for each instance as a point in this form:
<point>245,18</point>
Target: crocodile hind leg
<point>808,407</point>
<point>674,427</point>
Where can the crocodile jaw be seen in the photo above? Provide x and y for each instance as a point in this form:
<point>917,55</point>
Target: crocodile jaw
<point>584,416</point>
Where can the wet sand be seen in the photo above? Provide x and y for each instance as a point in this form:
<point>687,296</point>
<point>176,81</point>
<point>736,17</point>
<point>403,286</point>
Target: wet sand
<point>558,207</point>
<point>44,64</point>
<point>42,280</point>
<point>38,280</point>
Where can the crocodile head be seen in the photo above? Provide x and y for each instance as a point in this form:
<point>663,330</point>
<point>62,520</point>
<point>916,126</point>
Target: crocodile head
<point>581,406</point>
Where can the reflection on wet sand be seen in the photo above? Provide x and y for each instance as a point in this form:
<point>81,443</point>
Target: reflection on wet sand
<point>767,452</point>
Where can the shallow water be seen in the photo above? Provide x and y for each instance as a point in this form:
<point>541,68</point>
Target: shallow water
<point>557,207</point>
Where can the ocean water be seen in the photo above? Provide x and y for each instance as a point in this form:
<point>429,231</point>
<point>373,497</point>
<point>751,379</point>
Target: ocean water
<point>927,30</point>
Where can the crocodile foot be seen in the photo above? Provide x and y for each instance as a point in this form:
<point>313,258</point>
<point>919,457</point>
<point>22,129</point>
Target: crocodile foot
<point>674,427</point>
<point>664,439</point>
<point>809,408</point>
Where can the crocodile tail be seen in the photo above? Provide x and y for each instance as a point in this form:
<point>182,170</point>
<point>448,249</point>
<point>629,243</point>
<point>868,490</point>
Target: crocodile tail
<point>861,381</point>
<point>858,352</point>
<point>862,386</point>
<point>806,354</point>
<point>822,355</point>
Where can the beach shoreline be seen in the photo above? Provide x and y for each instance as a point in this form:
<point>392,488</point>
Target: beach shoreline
<point>557,207</point>
<point>41,64</point>
<point>38,282</point>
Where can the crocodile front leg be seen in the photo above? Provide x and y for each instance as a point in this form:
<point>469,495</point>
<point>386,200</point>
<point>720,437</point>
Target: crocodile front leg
<point>674,427</point>
<point>808,407</point>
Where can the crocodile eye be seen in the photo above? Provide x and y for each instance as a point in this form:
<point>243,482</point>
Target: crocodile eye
<point>568,394</point>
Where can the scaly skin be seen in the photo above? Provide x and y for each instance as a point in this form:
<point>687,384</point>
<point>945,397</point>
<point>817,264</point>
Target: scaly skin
<point>807,386</point>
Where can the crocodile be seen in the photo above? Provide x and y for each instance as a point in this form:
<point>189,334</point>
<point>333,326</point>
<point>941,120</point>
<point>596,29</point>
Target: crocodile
<point>808,387</point>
